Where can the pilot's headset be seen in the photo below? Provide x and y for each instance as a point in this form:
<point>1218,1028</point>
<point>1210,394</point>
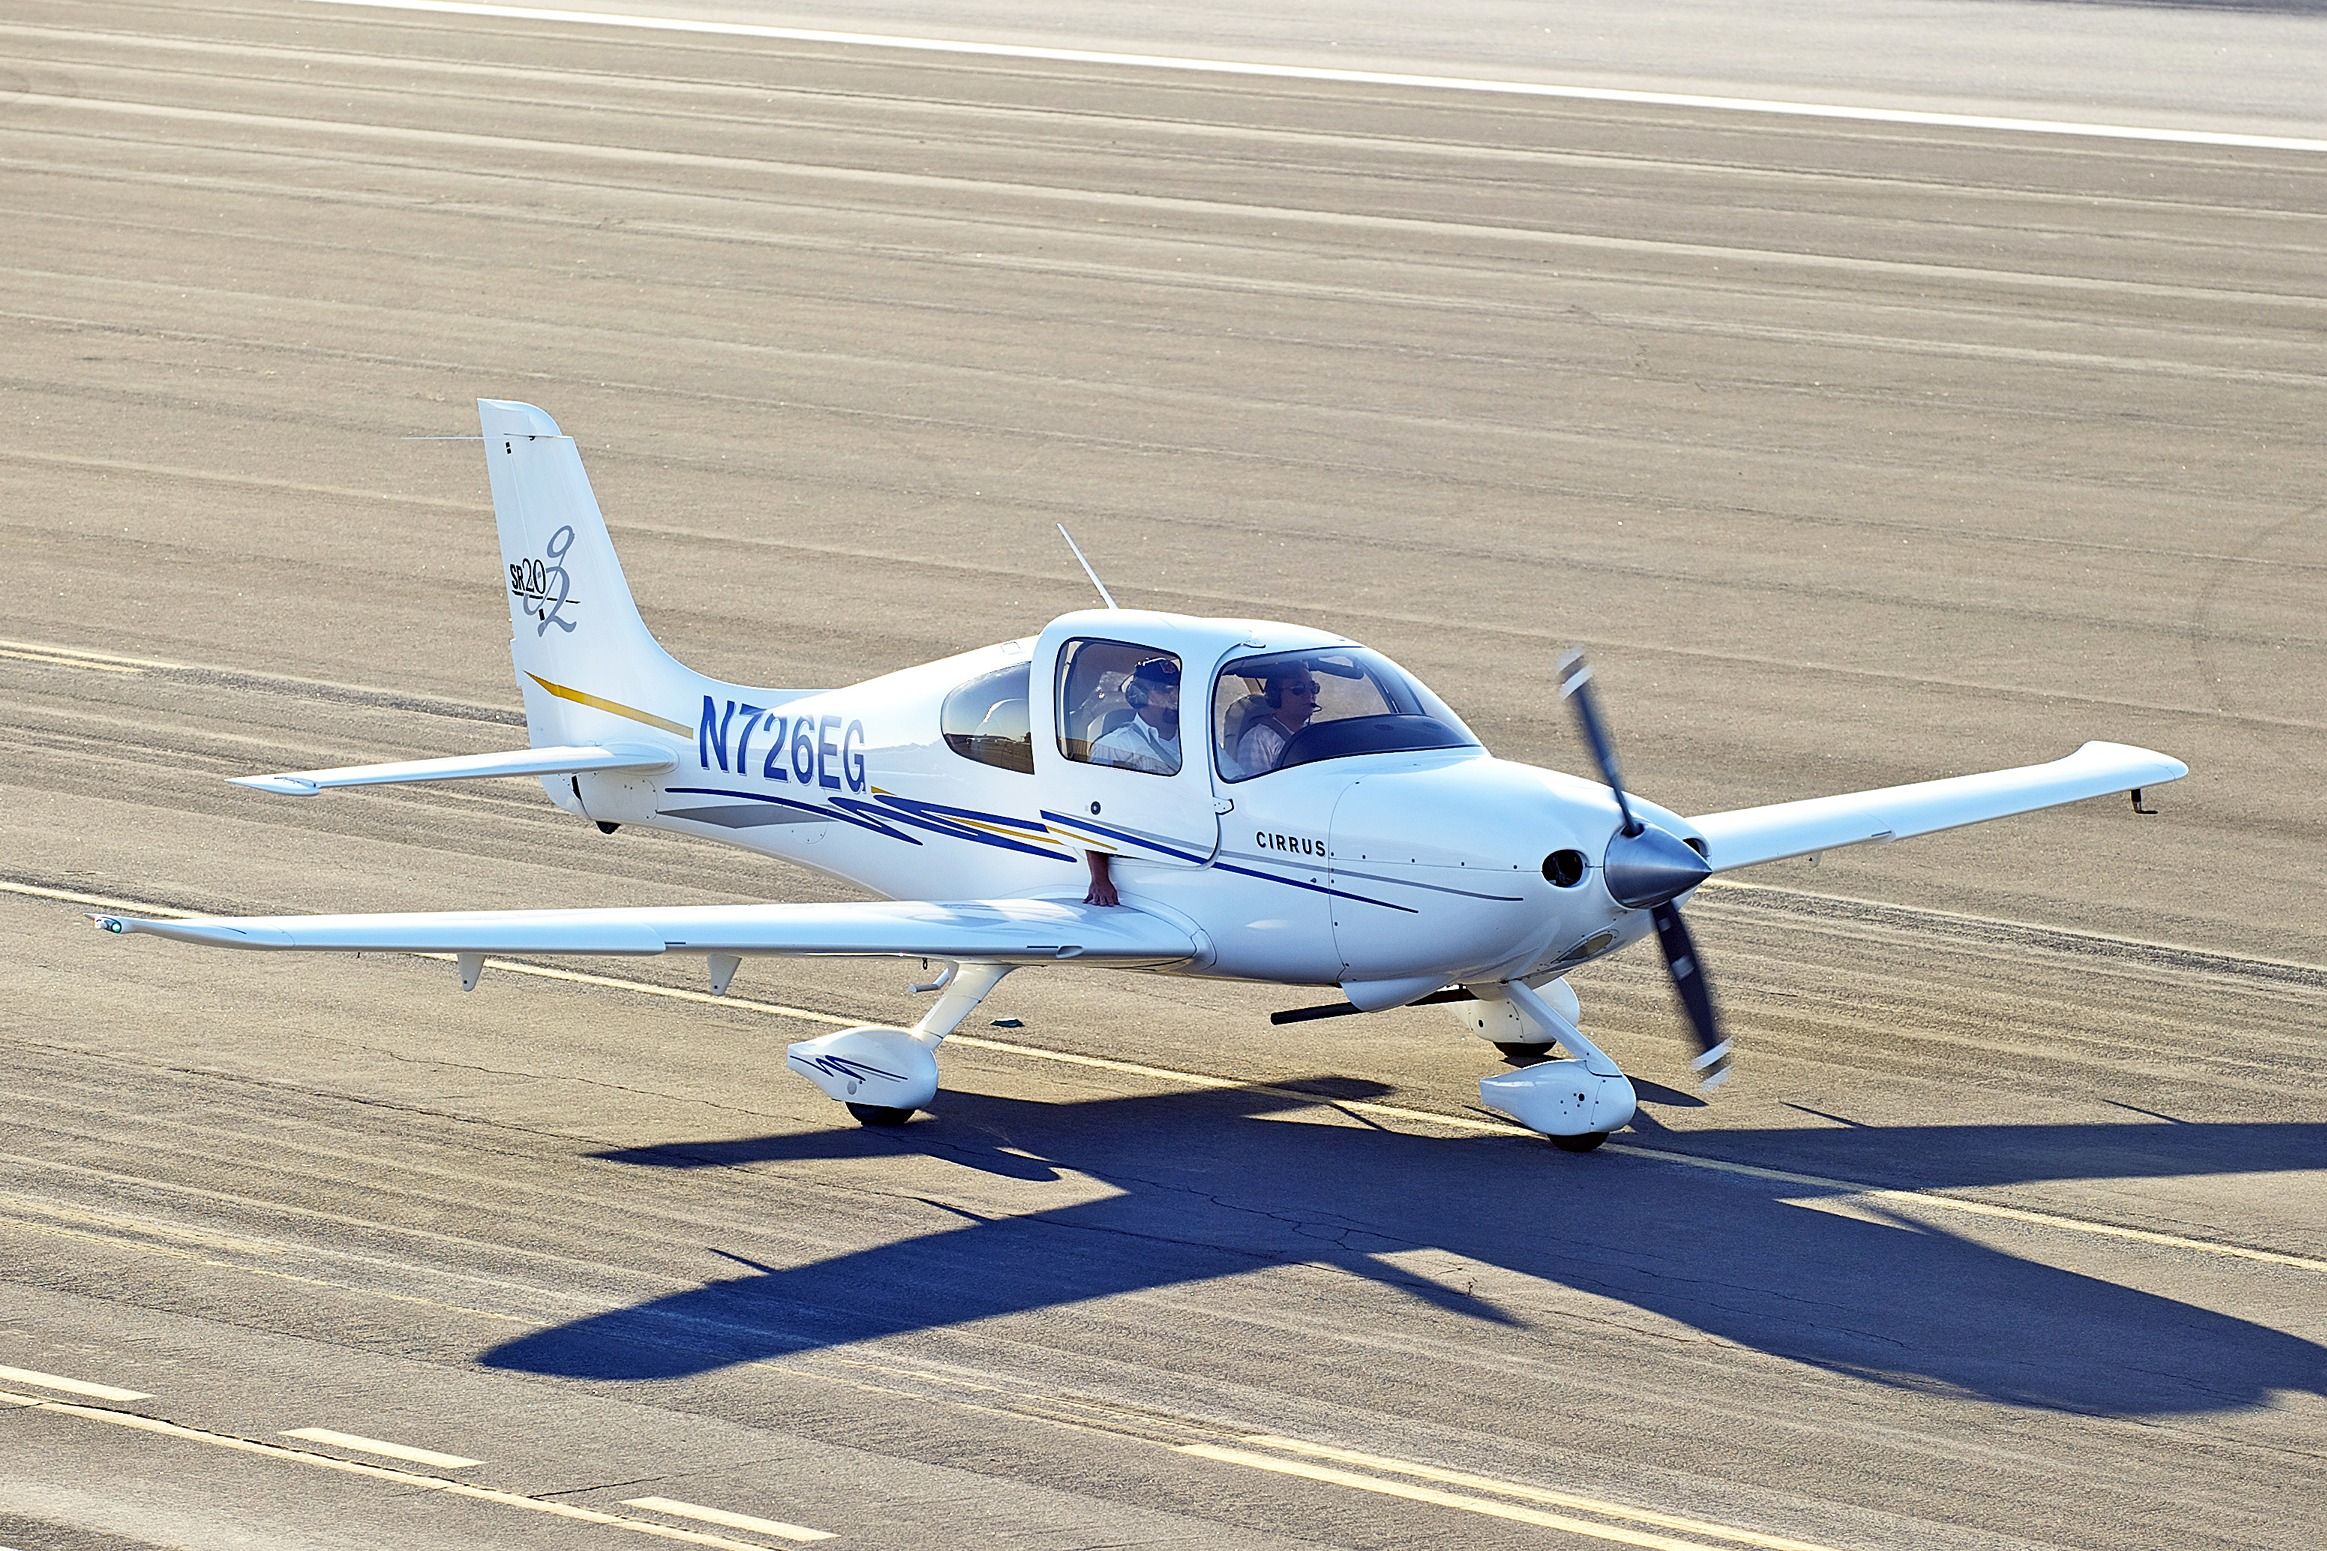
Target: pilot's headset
<point>1272,688</point>
<point>1148,675</point>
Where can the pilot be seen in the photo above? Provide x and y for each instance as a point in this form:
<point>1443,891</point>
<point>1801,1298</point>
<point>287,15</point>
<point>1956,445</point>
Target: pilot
<point>1291,692</point>
<point>1150,741</point>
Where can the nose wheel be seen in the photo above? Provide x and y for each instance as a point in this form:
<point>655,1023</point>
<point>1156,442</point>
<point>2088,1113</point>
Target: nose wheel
<point>1583,1143</point>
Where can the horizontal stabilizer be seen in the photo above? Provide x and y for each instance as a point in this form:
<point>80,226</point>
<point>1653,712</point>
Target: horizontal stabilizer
<point>1750,835</point>
<point>1003,931</point>
<point>569,759</point>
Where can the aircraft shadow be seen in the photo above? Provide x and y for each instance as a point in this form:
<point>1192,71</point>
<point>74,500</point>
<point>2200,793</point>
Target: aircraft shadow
<point>1210,1189</point>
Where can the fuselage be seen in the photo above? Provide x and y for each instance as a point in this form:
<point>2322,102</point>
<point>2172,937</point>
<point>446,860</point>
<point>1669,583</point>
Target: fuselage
<point>1361,869</point>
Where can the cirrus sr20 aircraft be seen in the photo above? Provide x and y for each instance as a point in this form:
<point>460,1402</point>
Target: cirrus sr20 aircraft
<point>1306,814</point>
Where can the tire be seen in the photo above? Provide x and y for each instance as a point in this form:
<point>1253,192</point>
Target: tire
<point>1583,1143</point>
<point>880,1114</point>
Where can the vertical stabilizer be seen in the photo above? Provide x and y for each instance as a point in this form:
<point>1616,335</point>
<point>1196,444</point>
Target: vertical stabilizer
<point>587,667</point>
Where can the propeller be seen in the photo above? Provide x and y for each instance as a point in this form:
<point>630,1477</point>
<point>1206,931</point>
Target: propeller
<point>1647,868</point>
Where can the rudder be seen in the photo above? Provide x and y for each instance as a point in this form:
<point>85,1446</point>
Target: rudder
<point>580,650</point>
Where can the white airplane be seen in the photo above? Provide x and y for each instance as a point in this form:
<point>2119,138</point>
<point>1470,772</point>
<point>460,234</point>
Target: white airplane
<point>1316,817</point>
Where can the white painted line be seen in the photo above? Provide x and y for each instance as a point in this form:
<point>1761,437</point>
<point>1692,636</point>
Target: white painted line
<point>70,1386</point>
<point>1447,83</point>
<point>364,1445</point>
<point>726,1520</point>
<point>1538,1494</point>
<point>460,1489</point>
<point>1858,1189</point>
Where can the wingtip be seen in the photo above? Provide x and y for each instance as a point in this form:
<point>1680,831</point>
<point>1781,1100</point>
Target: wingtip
<point>283,784</point>
<point>2155,769</point>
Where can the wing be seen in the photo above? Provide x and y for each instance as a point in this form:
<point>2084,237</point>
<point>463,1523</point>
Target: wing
<point>1003,931</point>
<point>1749,835</point>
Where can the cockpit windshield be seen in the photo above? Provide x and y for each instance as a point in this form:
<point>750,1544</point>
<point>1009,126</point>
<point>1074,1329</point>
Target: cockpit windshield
<point>1295,708</point>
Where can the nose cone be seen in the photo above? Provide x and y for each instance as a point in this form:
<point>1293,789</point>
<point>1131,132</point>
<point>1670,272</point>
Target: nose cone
<point>1651,868</point>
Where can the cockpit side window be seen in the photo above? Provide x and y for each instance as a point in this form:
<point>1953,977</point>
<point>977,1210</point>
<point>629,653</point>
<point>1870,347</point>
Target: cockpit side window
<point>1293,708</point>
<point>986,719</point>
<point>1119,704</point>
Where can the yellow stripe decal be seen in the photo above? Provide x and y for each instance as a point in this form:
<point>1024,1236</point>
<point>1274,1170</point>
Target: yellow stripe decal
<point>1034,837</point>
<point>1080,841</point>
<point>616,707</point>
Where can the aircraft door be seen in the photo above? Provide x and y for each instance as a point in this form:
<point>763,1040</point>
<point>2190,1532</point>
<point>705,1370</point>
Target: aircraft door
<point>1116,757</point>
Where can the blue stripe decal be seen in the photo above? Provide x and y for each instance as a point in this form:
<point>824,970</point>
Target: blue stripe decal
<point>1404,883</point>
<point>883,821</point>
<point>874,825</point>
<point>1314,888</point>
<point>1265,877</point>
<point>934,816</point>
<point>909,812</point>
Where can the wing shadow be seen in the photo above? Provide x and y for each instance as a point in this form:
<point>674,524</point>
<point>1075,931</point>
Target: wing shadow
<point>1210,1189</point>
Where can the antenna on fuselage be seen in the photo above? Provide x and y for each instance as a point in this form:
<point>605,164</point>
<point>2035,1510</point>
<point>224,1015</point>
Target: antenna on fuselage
<point>1087,571</point>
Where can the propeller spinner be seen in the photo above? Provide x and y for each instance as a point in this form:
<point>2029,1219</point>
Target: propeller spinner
<point>1647,868</point>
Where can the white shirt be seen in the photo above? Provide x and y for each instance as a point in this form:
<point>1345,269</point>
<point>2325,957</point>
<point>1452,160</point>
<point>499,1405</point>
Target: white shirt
<point>1137,746</point>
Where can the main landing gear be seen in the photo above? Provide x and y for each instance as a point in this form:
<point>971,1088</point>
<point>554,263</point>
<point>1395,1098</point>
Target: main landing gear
<point>883,1074</point>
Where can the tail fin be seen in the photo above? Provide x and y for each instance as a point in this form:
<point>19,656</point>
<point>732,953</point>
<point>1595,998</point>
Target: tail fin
<point>585,661</point>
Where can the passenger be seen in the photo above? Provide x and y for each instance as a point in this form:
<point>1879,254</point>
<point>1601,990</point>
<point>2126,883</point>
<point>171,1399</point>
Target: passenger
<point>1150,741</point>
<point>1291,692</point>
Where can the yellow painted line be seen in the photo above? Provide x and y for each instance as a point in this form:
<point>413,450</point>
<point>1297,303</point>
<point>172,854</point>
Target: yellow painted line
<point>1928,1200</point>
<point>802,1533</point>
<point>58,1382</point>
<point>1485,1507</point>
<point>381,1446</point>
<point>1538,1494</point>
<point>148,1424</point>
<point>2020,1214</point>
<point>1724,884</point>
<point>615,707</point>
<point>78,657</point>
<point>727,1520</point>
<point>51,660</point>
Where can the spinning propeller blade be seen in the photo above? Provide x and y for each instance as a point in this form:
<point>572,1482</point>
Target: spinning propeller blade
<point>1647,868</point>
<point>1575,687</point>
<point>1696,994</point>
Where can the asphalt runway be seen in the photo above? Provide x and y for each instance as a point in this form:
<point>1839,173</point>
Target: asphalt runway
<point>1855,453</point>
